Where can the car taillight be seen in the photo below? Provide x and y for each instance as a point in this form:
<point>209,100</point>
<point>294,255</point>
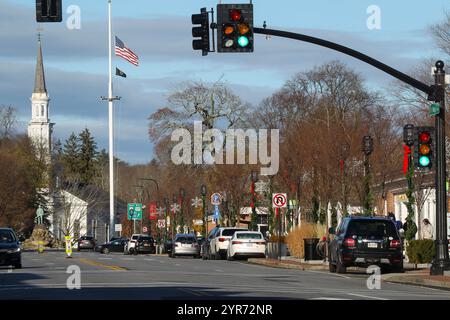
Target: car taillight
<point>236,242</point>
<point>349,242</point>
<point>395,243</point>
<point>222,239</point>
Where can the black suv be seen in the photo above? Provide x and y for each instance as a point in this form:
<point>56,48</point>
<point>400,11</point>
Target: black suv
<point>10,252</point>
<point>364,241</point>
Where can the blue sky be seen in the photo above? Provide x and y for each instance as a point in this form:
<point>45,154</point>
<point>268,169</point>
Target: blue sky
<point>160,33</point>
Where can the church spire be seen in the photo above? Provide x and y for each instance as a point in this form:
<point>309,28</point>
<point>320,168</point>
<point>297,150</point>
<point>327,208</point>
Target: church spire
<point>39,81</point>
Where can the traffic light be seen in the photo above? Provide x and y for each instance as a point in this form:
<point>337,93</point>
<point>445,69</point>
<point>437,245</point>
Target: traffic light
<point>48,10</point>
<point>423,148</point>
<point>202,31</point>
<point>235,27</point>
<point>367,145</point>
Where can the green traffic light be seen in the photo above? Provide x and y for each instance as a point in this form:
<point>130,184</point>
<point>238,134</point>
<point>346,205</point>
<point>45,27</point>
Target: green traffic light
<point>243,41</point>
<point>424,161</point>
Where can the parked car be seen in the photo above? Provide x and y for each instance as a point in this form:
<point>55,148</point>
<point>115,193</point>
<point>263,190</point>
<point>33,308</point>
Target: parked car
<point>364,241</point>
<point>10,251</point>
<point>145,244</point>
<point>246,244</point>
<point>168,246</point>
<point>129,247</point>
<point>205,252</point>
<point>116,245</point>
<point>85,242</point>
<point>218,245</point>
<point>185,244</point>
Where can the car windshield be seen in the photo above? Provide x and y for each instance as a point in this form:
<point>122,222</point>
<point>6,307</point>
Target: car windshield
<point>134,237</point>
<point>229,232</point>
<point>248,236</point>
<point>7,236</point>
<point>372,229</point>
<point>185,239</point>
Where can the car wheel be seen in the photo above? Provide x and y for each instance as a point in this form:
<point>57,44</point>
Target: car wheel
<point>135,252</point>
<point>18,266</point>
<point>229,258</point>
<point>204,256</point>
<point>340,268</point>
<point>397,268</point>
<point>105,251</point>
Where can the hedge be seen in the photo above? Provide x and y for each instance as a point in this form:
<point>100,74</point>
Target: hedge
<point>420,251</point>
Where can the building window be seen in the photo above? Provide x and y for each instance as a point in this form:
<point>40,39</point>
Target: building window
<point>42,110</point>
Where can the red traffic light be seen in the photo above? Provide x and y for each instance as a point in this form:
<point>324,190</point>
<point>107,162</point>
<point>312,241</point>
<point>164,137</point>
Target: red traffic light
<point>235,15</point>
<point>424,137</point>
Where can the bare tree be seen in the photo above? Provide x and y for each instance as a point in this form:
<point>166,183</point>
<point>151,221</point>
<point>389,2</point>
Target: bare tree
<point>7,121</point>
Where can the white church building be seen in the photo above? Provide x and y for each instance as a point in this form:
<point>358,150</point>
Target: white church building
<point>79,211</point>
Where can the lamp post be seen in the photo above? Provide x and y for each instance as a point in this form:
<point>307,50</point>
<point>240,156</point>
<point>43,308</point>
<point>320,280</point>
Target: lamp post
<point>253,221</point>
<point>182,195</point>
<point>174,214</point>
<point>166,207</point>
<point>367,148</point>
<point>344,152</point>
<point>205,219</point>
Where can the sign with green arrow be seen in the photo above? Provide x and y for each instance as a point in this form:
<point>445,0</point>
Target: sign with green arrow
<point>134,211</point>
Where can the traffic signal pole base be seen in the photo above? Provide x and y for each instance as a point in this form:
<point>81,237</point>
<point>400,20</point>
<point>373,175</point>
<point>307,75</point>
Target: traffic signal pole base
<point>439,266</point>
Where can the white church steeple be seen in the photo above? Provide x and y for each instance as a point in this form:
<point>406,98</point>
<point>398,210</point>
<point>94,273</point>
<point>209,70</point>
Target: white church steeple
<point>40,129</point>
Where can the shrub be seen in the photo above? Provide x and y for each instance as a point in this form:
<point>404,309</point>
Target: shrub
<point>274,238</point>
<point>295,238</point>
<point>420,251</point>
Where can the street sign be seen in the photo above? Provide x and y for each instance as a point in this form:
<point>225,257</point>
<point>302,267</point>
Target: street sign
<point>134,211</point>
<point>144,229</point>
<point>435,108</point>
<point>279,200</point>
<point>216,199</point>
<point>216,213</point>
<point>292,204</point>
<point>175,207</point>
<point>161,223</point>
<point>118,227</point>
<point>261,187</point>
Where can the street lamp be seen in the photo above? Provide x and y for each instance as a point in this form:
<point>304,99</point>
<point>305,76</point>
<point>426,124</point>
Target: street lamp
<point>253,225</point>
<point>182,195</point>
<point>205,219</point>
<point>166,207</point>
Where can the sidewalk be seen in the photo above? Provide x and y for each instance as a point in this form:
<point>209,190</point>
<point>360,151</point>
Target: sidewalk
<point>411,276</point>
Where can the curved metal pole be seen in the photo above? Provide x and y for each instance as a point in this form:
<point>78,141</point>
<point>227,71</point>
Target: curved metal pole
<point>356,54</point>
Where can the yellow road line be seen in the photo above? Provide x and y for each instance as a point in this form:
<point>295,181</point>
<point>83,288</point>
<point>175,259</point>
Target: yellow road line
<point>99,264</point>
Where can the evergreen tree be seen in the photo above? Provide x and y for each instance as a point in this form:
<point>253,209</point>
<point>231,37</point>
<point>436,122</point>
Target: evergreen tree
<point>87,156</point>
<point>70,158</point>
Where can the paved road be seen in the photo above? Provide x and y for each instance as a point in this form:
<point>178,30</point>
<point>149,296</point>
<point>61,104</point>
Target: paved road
<point>116,276</point>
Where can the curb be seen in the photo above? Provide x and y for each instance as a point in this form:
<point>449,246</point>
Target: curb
<point>285,265</point>
<point>414,280</point>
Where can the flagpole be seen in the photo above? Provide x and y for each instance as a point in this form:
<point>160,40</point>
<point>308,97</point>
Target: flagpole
<point>111,129</point>
<point>110,100</point>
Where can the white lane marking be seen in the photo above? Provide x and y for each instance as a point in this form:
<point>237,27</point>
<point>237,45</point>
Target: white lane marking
<point>128,259</point>
<point>363,296</point>
<point>176,264</point>
<point>161,262</point>
<point>328,298</point>
<point>149,259</point>
<point>9,270</point>
<point>328,273</point>
<point>218,270</point>
<point>49,263</point>
<point>104,258</point>
<point>35,259</point>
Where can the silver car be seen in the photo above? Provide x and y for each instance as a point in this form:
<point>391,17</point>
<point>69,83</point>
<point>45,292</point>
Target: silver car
<point>185,245</point>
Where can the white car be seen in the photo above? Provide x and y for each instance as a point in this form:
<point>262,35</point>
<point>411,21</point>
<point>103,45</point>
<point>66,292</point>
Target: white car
<point>246,244</point>
<point>127,249</point>
<point>218,245</point>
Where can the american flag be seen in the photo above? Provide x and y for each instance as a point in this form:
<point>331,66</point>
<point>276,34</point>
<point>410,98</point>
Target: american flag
<point>126,53</point>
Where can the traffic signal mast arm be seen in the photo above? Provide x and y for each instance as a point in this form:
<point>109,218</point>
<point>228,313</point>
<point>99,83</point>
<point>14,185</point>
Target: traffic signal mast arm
<point>356,54</point>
